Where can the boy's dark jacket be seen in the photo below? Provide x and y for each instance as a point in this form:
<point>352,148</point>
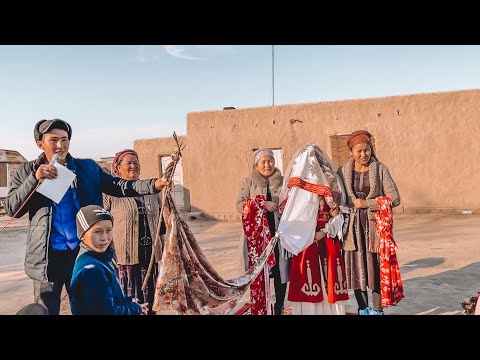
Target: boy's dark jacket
<point>95,289</point>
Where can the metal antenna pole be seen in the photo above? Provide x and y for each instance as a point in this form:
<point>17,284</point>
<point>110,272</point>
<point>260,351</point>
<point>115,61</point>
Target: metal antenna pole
<point>273,75</point>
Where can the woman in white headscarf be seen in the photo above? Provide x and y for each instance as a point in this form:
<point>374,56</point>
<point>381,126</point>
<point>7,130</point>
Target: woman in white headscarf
<point>258,201</point>
<point>310,230</point>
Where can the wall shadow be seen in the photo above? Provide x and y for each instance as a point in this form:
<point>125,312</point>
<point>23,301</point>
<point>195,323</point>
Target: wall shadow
<point>421,264</point>
<point>438,294</point>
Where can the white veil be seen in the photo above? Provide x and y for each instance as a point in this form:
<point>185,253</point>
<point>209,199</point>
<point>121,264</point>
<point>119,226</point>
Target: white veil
<point>299,217</point>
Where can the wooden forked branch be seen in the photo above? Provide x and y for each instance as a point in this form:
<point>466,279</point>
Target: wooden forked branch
<point>176,156</point>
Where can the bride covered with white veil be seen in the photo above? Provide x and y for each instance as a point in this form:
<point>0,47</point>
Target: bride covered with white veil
<point>313,214</point>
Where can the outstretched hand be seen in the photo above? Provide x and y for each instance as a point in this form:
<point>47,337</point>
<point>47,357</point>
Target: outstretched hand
<point>160,184</point>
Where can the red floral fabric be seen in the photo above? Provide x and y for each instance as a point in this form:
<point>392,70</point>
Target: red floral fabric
<point>390,279</point>
<point>257,236</point>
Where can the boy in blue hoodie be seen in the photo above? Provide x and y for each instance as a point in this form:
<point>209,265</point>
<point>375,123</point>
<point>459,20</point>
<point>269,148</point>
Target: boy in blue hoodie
<point>95,288</point>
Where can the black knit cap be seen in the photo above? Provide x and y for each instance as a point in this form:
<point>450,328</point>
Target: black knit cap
<point>89,215</point>
<point>44,126</point>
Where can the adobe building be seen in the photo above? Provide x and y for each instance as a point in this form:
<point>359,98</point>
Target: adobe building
<point>106,163</point>
<point>429,142</point>
<point>10,160</point>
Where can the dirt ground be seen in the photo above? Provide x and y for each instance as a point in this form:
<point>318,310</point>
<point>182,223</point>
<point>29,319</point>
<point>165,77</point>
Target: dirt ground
<point>439,257</point>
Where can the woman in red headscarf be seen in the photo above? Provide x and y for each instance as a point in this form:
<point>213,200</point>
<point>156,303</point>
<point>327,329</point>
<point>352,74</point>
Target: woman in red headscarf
<point>369,249</point>
<point>134,230</point>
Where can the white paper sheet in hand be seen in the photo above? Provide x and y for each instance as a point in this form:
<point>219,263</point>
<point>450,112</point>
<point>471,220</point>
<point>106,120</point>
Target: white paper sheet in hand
<point>55,189</point>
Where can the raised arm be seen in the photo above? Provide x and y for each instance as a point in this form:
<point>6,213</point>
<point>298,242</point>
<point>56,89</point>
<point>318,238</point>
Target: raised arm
<point>118,187</point>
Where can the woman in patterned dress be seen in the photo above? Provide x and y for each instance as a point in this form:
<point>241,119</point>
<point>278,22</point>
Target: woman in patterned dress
<point>134,230</point>
<point>366,180</point>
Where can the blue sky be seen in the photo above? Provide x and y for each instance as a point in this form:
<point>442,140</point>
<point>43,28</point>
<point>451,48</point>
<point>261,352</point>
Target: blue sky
<point>112,95</point>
